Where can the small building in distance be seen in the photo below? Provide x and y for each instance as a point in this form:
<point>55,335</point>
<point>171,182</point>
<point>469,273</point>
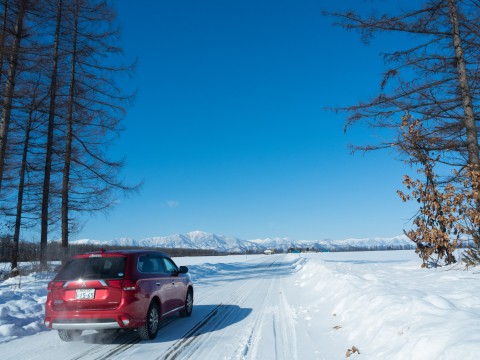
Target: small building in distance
<point>268,252</point>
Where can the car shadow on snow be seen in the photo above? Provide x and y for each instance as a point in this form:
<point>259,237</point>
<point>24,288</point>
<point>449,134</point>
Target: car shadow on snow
<point>204,319</point>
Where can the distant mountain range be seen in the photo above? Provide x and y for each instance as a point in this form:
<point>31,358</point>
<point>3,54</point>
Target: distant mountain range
<point>221,243</point>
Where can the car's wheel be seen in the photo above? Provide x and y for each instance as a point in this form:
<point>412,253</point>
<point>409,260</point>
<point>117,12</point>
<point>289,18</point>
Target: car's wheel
<point>187,310</point>
<point>149,330</point>
<point>69,335</point>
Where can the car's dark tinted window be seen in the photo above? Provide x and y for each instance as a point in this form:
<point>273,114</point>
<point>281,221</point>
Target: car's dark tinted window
<point>93,268</point>
<point>149,264</point>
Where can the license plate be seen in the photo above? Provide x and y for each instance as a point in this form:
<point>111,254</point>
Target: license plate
<point>85,294</point>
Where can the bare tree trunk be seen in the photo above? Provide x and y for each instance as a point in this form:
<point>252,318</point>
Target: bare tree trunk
<point>10,87</point>
<point>467,104</point>
<point>469,115</point>
<point>3,37</point>
<point>21,187</point>
<point>68,147</point>
<point>49,147</point>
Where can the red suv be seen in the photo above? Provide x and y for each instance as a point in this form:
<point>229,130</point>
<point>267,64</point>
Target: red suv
<point>130,289</point>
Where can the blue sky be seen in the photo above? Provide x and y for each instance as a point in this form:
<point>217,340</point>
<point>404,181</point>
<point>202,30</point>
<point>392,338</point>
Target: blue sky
<point>229,129</point>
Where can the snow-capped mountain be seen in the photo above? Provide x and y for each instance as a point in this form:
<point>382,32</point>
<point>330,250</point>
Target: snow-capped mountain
<point>397,242</point>
<point>221,243</point>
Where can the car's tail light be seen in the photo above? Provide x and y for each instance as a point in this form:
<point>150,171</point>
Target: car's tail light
<point>53,285</point>
<point>127,285</point>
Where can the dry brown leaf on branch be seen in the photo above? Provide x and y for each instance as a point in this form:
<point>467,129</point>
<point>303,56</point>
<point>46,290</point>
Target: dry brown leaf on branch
<point>351,351</point>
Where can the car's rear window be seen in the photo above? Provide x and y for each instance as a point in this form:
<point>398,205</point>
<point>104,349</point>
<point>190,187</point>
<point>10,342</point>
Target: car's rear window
<point>93,268</point>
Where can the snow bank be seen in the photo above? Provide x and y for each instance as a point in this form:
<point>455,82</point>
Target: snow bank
<point>389,308</point>
<point>22,303</point>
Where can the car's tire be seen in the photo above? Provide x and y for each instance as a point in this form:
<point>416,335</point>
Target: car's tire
<point>149,330</point>
<point>188,308</point>
<point>69,335</point>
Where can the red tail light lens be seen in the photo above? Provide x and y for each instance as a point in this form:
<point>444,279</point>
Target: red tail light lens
<point>127,285</point>
<point>53,285</point>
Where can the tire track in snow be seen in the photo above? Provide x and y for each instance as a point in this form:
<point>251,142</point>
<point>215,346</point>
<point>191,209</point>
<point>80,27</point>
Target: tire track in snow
<point>205,323</point>
<point>189,345</point>
<point>189,337</point>
<point>251,345</point>
<point>271,314</point>
<point>273,329</point>
<point>128,340</point>
<point>284,327</point>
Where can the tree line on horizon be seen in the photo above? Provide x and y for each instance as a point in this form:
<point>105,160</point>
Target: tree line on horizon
<point>62,104</point>
<point>29,251</point>
<point>428,102</point>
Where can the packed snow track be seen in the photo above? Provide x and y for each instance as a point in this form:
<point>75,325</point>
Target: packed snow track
<point>240,312</point>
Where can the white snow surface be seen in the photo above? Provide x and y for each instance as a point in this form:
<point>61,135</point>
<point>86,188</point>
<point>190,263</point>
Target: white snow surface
<point>284,306</point>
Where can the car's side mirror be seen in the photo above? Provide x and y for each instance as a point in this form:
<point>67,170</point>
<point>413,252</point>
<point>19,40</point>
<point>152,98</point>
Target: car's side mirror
<point>182,270</point>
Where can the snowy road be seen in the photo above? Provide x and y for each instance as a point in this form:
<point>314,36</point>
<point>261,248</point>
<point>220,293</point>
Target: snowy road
<point>241,312</point>
<point>293,306</point>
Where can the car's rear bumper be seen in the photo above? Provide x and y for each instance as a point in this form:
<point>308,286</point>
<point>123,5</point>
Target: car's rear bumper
<point>91,321</point>
<point>127,315</point>
<point>86,326</point>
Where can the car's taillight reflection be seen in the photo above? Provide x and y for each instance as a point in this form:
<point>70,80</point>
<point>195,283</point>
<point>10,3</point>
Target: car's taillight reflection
<point>127,285</point>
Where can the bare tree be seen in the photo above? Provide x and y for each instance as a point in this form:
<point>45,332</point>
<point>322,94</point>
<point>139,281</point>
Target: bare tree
<point>10,84</point>
<point>3,36</point>
<point>436,79</point>
<point>429,79</point>
<point>95,108</point>
<point>69,134</point>
<point>23,64</point>
<point>21,183</point>
<point>466,95</point>
<point>62,108</point>
<point>49,144</point>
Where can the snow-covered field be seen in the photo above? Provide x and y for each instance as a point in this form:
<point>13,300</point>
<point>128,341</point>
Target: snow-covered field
<point>295,306</point>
